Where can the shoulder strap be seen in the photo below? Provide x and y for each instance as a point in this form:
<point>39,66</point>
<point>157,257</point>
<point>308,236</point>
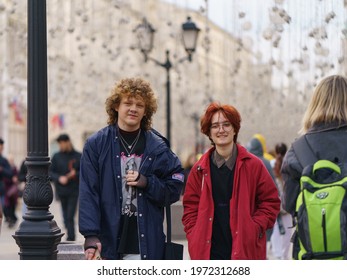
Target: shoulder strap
<point>168,217</point>
<point>301,148</point>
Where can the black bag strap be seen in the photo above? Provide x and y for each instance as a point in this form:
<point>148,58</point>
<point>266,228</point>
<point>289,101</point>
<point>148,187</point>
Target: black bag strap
<point>301,148</point>
<point>168,216</point>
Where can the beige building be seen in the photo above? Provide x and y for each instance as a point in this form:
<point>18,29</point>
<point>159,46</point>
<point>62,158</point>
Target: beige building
<point>91,45</point>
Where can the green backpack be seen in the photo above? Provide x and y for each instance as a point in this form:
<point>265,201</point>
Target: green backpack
<point>321,207</point>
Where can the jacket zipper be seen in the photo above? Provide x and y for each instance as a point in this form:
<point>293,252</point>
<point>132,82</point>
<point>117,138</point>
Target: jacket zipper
<point>138,226</point>
<point>137,195</point>
<point>324,229</point>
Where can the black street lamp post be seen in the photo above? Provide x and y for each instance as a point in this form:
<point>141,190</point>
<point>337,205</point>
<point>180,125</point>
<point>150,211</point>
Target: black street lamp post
<point>38,234</point>
<point>145,35</point>
<point>195,118</point>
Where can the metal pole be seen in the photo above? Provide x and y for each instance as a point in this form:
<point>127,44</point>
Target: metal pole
<point>196,129</point>
<point>167,65</point>
<point>38,234</point>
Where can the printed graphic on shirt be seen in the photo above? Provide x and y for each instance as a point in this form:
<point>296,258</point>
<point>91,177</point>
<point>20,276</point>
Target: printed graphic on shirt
<point>129,206</point>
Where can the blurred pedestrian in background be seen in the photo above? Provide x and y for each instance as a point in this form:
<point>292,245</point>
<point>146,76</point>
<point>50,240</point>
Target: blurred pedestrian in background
<point>1,216</point>
<point>283,229</point>
<point>5,172</point>
<point>11,195</point>
<point>267,155</point>
<point>256,147</point>
<point>22,178</point>
<point>64,172</point>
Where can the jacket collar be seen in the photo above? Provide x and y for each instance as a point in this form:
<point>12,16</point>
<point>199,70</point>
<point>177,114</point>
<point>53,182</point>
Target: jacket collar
<point>155,142</point>
<point>204,162</point>
<point>219,161</point>
<point>319,127</point>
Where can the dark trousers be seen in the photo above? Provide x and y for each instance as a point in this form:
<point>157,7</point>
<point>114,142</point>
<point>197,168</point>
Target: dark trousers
<point>69,206</point>
<point>10,214</point>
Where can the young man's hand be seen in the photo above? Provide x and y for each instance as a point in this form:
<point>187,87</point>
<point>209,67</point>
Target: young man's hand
<point>92,253</point>
<point>135,179</point>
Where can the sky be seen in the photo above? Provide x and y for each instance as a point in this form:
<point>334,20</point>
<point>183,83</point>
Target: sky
<point>295,40</point>
<point>218,10</point>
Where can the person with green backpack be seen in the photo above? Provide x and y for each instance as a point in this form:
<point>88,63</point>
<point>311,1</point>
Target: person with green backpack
<point>314,172</point>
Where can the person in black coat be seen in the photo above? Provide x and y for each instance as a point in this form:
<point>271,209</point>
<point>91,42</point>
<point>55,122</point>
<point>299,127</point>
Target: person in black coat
<point>5,173</point>
<point>64,173</point>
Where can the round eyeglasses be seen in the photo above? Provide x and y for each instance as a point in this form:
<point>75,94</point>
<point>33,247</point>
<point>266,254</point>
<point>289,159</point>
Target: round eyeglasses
<point>226,126</point>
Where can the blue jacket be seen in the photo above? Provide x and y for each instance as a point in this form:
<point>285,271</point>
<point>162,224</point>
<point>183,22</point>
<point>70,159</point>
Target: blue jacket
<point>101,191</point>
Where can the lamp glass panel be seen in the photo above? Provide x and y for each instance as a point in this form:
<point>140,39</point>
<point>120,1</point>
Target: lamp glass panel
<point>145,38</point>
<point>189,39</point>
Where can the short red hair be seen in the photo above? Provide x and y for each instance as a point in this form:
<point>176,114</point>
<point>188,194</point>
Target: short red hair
<point>229,113</point>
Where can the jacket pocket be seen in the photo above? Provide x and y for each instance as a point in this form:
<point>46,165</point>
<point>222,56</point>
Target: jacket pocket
<point>258,231</point>
<point>259,243</point>
<point>192,240</point>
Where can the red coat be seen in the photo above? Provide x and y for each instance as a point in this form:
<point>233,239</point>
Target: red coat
<point>254,207</point>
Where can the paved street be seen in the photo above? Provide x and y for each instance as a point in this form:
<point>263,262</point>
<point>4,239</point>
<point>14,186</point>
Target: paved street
<point>9,248</point>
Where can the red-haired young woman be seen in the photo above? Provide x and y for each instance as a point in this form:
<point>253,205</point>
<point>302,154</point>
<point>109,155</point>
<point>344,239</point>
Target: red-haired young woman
<point>230,198</point>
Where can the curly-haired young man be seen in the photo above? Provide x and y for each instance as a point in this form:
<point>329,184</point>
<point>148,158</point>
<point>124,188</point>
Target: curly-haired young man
<point>126,168</point>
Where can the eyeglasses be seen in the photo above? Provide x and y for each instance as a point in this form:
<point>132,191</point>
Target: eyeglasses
<point>225,125</point>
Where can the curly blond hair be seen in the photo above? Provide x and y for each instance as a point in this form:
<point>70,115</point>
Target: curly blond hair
<point>132,87</point>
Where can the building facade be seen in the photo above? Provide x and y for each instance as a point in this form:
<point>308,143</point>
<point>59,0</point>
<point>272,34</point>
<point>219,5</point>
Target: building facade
<point>91,45</point>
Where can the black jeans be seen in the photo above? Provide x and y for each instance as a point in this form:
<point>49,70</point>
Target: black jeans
<point>69,206</point>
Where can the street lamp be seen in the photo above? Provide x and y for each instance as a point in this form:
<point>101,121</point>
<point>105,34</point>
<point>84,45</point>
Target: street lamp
<point>195,117</point>
<point>145,35</point>
<point>38,234</point>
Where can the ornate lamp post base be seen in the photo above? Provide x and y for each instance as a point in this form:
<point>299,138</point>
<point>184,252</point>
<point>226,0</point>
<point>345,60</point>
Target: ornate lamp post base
<point>38,240</point>
<point>38,234</point>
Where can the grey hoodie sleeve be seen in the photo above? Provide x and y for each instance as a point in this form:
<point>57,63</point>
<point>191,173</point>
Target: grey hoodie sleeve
<point>291,173</point>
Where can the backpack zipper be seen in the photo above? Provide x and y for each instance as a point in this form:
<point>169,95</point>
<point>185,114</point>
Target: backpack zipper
<point>324,229</point>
